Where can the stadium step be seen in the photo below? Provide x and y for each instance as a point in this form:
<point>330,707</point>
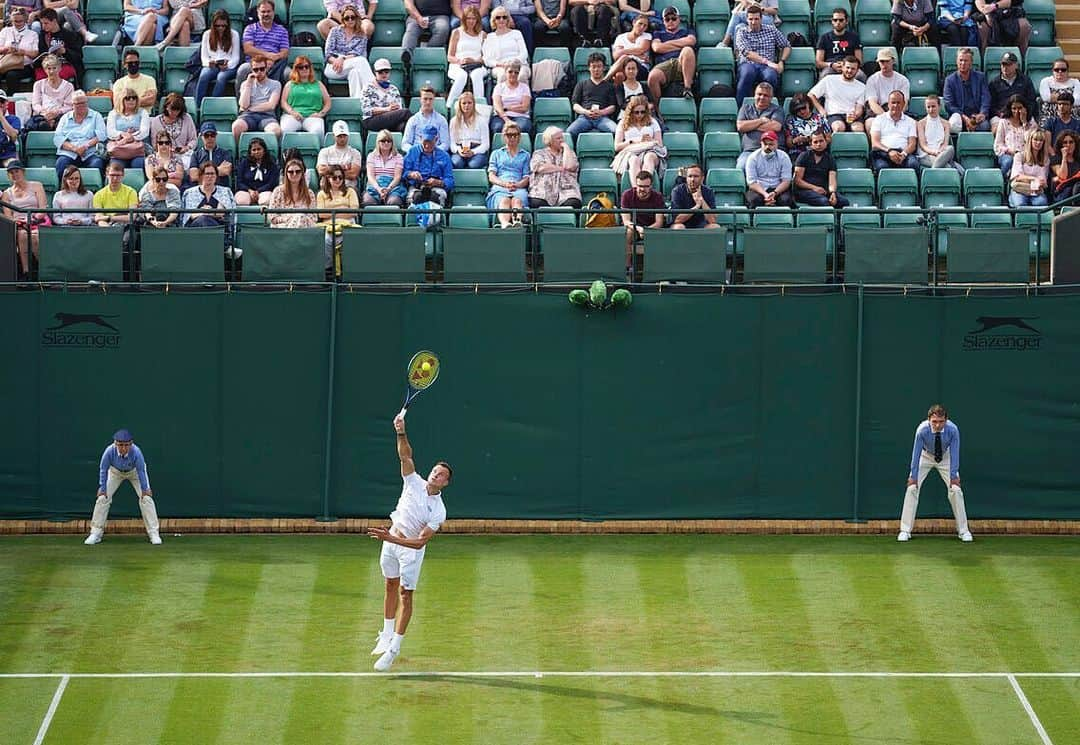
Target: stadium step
<point>1068,31</point>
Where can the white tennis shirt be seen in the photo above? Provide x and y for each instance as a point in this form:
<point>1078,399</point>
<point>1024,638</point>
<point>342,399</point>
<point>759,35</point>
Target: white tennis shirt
<point>416,509</point>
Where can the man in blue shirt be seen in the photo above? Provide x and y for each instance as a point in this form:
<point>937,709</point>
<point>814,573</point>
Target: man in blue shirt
<point>674,60</point>
<point>690,199</point>
<point>937,447</point>
<point>428,171</point>
<point>123,461</point>
<point>967,96</point>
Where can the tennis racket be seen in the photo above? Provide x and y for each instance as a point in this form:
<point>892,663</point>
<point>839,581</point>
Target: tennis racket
<point>422,371</point>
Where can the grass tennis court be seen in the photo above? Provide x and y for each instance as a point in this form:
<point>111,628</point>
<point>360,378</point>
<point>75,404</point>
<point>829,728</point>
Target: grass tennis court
<point>543,639</point>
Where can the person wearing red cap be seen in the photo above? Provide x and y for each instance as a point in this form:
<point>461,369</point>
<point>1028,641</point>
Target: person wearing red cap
<point>768,175</point>
<point>123,461</point>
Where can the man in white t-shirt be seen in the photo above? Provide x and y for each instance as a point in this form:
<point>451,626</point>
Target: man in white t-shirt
<point>885,81</point>
<point>894,137</point>
<point>419,513</point>
<point>341,153</point>
<point>845,98</point>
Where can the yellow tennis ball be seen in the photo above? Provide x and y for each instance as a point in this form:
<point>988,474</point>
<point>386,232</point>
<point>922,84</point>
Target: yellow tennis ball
<point>426,366</point>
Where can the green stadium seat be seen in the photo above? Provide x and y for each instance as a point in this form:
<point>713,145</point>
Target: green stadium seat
<point>304,16</point>
<point>483,255</point>
<point>277,255</point>
<point>992,59</point>
<point>100,66</point>
<point>271,143</point>
<point>715,65</point>
<point>992,217</point>
<point>383,253</point>
<point>1038,221</point>
<point>897,187</point>
<point>556,217</point>
<point>133,177</point>
<point>39,149</point>
<point>721,150</point>
<point>773,217</point>
<point>976,150</point>
<point>103,17</point>
<point>235,9</point>
<point>347,110</point>
<point>679,114</point>
<point>389,26</point>
<point>718,115</point>
<point>188,255</point>
<point>922,66</point>
<point>729,189</point>
<point>850,149</point>
<point>392,55</point>
<point>596,180</point>
<point>382,216</point>
<point>800,71</point>
<point>583,255</point>
<point>683,149</point>
<point>873,22</point>
<point>428,68</point>
<point>896,217</point>
<point>315,54</point>
<point>823,17</point>
<point>77,254</point>
<point>948,59</point>
<point>551,112</point>
<point>797,17</point>
<point>1039,60</point>
<point>821,217</point>
<point>562,54</point>
<point>45,175</point>
<point>470,187</point>
<point>581,60</point>
<point>595,149</point>
<point>682,5</point>
<point>306,142</point>
<point>356,140</point>
<point>940,187</point>
<point>710,22</point>
<point>174,72</point>
<point>916,108</point>
<point>467,217</point>
<point>1042,16</point>
<point>101,104</point>
<point>221,110</point>
<point>91,178</point>
<point>983,187</point>
<point>857,185</point>
<point>698,256</point>
<point>227,142</point>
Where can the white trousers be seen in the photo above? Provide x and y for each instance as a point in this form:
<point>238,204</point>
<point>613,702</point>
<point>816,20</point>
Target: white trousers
<point>457,74</point>
<point>911,496</point>
<point>356,70</point>
<point>314,124</point>
<point>103,503</point>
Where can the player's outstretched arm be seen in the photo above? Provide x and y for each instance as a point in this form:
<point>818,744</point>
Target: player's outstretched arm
<point>404,449</point>
<point>384,534</point>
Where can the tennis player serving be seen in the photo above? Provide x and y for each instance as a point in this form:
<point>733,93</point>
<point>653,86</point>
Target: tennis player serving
<point>419,513</point>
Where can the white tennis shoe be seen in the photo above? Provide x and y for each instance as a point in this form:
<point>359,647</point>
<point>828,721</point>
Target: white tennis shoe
<point>382,643</point>
<point>155,538</point>
<point>903,535</point>
<point>966,537</point>
<point>383,663</point>
<point>93,539</point>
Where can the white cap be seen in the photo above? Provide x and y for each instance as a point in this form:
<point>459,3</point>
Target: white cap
<point>340,128</point>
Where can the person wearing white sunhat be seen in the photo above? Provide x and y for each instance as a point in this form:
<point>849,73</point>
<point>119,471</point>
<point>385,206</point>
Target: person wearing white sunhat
<point>123,461</point>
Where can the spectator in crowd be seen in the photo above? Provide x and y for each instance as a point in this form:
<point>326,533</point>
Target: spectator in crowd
<point>1064,121</point>
<point>633,46</point>
<point>114,195</point>
<point>32,8</point>
<point>67,11</point>
<point>1010,82</point>
<point>799,128</point>
<point>1065,167</point>
<point>1028,178</point>
<point>18,47</point>
<point>61,41</point>
<point>755,117</point>
<point>631,86</point>
<point>768,175</point>
<point>127,127</point>
<point>209,151</point>
<point>760,52</point>
<point>336,10</point>
<point>160,194</point>
<point>432,16</point>
<point>845,98</point>
<point>992,16</point>
<point>24,195</point>
<point>335,194</point>
<point>52,96</point>
<point>1012,134</point>
<point>293,193</point>
<point>73,195</point>
<point>187,21</point>
<point>209,200</point>
<point>466,56</point>
<point>9,133</point>
<point>508,173</point>
<point>1054,84</point>
<point>644,207</point>
<point>914,24</point>
<point>674,59</point>
<point>885,81</point>
<point>894,137</point>
<point>505,46</point>
<point>955,25</point>
<point>175,120</point>
<point>458,8</point>
<point>469,137</point>
<point>268,40</point>
<point>522,15</point>
<point>381,101</point>
<point>631,10</point>
<point>554,169</point>
<point>257,174</point>
<point>304,100</point>
<point>426,117</point>
<point>144,21</point>
<point>340,153</point>
<point>835,46</point>
<point>512,101</point>
<point>639,142</point>
<point>220,54</point>
<point>690,200</point>
<point>933,131</point>
<point>593,101</point>
<point>385,167</point>
<point>815,175</point>
<point>347,49</point>
<point>164,156</point>
<point>259,98</point>
<point>551,21</point>
<point>429,174</point>
<point>770,16</point>
<point>78,135</point>
<point>593,21</point>
<point>145,86</point>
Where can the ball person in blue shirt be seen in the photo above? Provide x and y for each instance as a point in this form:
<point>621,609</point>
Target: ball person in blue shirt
<point>123,461</point>
<point>937,447</point>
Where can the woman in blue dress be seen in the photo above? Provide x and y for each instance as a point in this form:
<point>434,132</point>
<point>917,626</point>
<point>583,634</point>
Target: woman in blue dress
<point>508,173</point>
<point>144,20</point>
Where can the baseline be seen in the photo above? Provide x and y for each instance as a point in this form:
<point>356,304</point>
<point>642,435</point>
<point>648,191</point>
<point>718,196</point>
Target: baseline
<point>542,674</point>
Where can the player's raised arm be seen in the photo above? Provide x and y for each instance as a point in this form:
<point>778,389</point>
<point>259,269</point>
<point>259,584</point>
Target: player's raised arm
<point>404,449</point>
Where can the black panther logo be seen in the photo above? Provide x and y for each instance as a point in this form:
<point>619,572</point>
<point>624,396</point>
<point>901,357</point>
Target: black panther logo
<point>992,322</point>
<point>70,319</point>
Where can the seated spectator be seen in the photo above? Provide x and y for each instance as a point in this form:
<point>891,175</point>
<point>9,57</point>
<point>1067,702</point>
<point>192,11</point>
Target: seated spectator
<point>631,86</point>
<point>593,101</point>
<point>145,86</point>
<point>127,127</point>
<point>894,137</point>
<point>933,131</point>
<point>1009,83</point>
<point>24,195</point>
<point>512,101</point>
<point>209,151</point>
<point>768,175</point>
<point>65,43</point>
<point>160,194</point>
<point>1028,178</point>
<point>186,22</point>
<point>32,8</point>
<point>551,22</point>
<point>593,22</point>
<point>967,96</point>
<point>1012,134</point>
<point>631,10</point>
<point>633,46</point>
<point>144,21</point>
<point>466,56</point>
<point>220,54</point>
<point>469,138</point>
<point>554,169</point>
<point>1065,167</point>
<point>431,16</point>
<point>293,194</point>
<point>175,120</point>
<point>760,52</point>
<point>429,174</point>
<point>164,156</point>
<point>426,117</point>
<point>955,26</point>
<point>52,96</point>
<point>381,102</point>
<point>639,142</point>
<point>836,46</point>
<point>504,46</point>
<point>73,195</point>
<point>1052,86</point>
<point>994,29</point>
<point>335,194</point>
<point>385,167</point>
<point>914,24</point>
<point>209,199</point>
<point>78,135</point>
<point>522,15</point>
<point>257,174</point>
<point>115,195</point>
<point>845,98</point>
<point>341,153</point>
<point>1064,121</point>
<point>18,47</point>
<point>268,39</point>
<point>798,129</point>
<point>690,199</point>
<point>508,173</point>
<point>9,133</point>
<point>815,175</point>
<point>336,10</point>
<point>770,16</point>
<point>67,12</point>
<point>885,81</point>
<point>674,59</point>
<point>304,100</point>
<point>756,117</point>
<point>347,48</point>
<point>644,206</point>
<point>259,98</point>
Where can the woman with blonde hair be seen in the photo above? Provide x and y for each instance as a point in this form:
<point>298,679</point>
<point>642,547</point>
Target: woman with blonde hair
<point>466,55</point>
<point>52,94</point>
<point>128,126</point>
<point>469,136</point>
<point>505,45</point>
<point>554,173</point>
<point>293,194</point>
<point>639,141</point>
<point>346,50</point>
<point>508,173</point>
<point>384,168</point>
<point>1030,169</point>
<point>304,100</point>
<point>335,194</point>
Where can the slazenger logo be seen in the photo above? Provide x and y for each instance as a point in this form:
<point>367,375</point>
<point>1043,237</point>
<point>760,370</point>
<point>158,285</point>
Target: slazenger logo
<point>1003,333</point>
<point>81,331</point>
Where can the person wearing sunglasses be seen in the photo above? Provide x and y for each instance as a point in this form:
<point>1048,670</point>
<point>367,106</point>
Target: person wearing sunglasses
<point>128,126</point>
<point>259,98</point>
<point>1053,85</point>
<point>639,141</point>
<point>18,46</point>
<point>219,52</point>
<point>79,133</point>
<point>145,86</point>
<point>385,168</point>
<point>347,47</point>
<point>165,156</point>
<point>336,10</point>
<point>266,38</point>
<point>206,203</point>
<point>293,193</point>
<point>161,195</point>
<point>208,150</point>
<point>503,46</point>
<point>381,101</point>
<point>522,14</point>
<point>175,121</point>
<point>837,44</point>
<point>304,100</point>
<point>334,195</point>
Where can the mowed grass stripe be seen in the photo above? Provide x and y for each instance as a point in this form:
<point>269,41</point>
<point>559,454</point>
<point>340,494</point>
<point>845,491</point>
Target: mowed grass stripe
<point>1057,704</point>
<point>24,703</point>
<point>1050,610</point>
<point>32,594</point>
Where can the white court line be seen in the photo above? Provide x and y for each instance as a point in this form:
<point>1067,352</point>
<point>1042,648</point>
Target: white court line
<point>52,710</point>
<point>545,674</point>
<point>1030,711</point>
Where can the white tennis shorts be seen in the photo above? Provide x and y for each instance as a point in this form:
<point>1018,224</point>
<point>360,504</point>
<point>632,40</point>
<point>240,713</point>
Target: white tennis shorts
<point>399,561</point>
